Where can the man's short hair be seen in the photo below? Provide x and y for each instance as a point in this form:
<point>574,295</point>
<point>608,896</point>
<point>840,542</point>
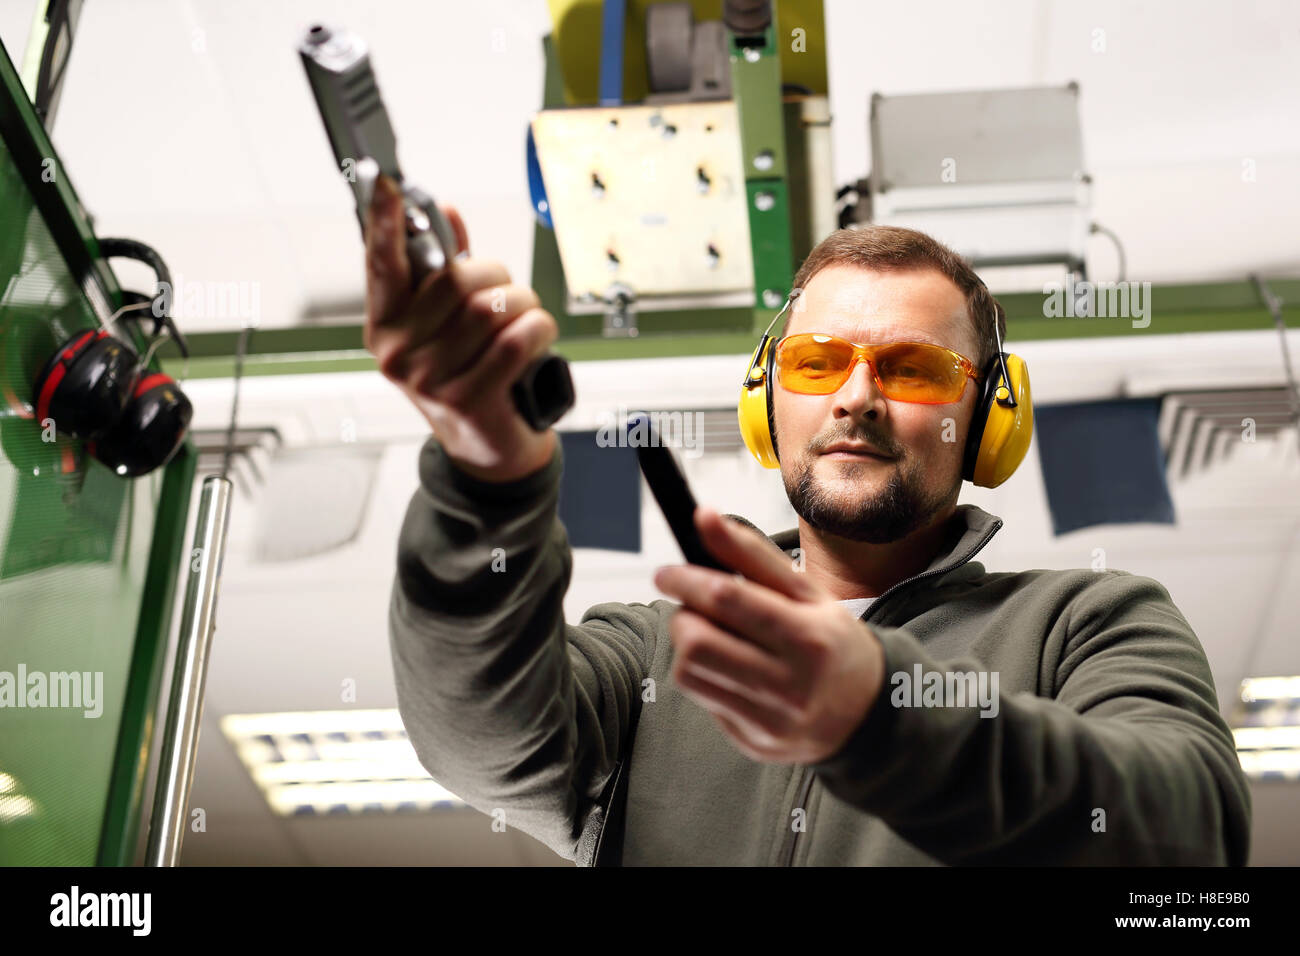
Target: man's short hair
<point>896,248</point>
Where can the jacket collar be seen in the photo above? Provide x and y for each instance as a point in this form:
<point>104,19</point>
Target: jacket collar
<point>970,529</point>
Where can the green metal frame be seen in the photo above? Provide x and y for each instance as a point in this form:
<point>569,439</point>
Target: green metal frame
<point>756,84</point>
<point>125,805</point>
<point>69,224</point>
<point>1206,307</point>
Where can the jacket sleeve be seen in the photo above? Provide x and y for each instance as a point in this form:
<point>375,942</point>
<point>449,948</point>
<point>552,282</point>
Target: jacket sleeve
<point>1130,763</point>
<point>507,706</point>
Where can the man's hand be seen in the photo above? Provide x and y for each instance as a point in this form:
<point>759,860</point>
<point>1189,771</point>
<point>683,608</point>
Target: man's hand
<point>788,673</point>
<point>456,344</point>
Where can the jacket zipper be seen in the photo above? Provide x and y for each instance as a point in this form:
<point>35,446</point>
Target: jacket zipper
<point>808,775</point>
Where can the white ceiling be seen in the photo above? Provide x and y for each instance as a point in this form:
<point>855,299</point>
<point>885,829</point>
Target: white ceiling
<point>189,125</point>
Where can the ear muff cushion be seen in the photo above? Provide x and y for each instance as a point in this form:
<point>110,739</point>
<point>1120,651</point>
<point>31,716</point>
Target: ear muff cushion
<point>150,430</point>
<point>769,389</point>
<point>989,380</point>
<point>86,384</point>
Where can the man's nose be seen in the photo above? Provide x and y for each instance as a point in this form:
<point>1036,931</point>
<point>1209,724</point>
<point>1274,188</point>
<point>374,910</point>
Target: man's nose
<point>860,396</point>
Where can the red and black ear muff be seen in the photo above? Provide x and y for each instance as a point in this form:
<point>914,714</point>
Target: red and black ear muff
<point>149,431</point>
<point>93,390</point>
<point>96,388</point>
<point>85,384</point>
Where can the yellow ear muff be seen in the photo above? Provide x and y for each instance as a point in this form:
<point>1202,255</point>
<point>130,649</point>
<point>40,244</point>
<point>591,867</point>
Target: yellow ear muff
<point>1007,431</point>
<point>754,408</point>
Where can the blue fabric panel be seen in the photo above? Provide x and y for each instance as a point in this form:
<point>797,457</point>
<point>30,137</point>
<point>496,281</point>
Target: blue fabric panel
<point>1102,463</point>
<point>600,494</point>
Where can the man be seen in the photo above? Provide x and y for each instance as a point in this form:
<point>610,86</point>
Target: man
<point>875,698</point>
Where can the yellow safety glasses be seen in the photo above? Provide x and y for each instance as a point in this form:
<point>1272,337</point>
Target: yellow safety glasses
<point>813,363</point>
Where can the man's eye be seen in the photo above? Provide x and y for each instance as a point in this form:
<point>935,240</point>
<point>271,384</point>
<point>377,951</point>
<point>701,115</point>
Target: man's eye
<point>913,372</point>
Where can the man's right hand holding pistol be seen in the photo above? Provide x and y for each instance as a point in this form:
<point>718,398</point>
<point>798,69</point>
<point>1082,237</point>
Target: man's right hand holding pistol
<point>455,343</point>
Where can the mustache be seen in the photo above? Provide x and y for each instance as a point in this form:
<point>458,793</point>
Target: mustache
<point>878,441</point>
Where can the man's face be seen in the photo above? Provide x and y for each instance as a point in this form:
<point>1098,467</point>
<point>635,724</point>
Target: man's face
<point>862,498</point>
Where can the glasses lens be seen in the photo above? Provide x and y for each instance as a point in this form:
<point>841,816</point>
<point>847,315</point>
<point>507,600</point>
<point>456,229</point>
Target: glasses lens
<point>916,372</point>
<point>817,364</point>
<point>813,364</point>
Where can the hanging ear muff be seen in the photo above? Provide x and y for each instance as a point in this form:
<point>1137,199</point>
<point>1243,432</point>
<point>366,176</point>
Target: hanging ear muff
<point>1002,424</point>
<point>155,417</point>
<point>96,388</point>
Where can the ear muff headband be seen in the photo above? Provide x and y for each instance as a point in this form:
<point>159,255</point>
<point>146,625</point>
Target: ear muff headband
<point>1000,432</point>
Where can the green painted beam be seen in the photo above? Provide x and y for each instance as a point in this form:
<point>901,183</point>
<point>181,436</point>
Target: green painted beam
<point>1204,307</point>
<point>306,360</point>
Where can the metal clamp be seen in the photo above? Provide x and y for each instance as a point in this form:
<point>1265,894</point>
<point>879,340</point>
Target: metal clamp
<point>620,312</point>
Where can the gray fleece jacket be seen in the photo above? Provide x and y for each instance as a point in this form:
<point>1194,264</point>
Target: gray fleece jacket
<point>1103,743</point>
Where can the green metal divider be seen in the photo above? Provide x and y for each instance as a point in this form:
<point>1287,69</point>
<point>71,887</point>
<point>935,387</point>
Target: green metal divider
<point>1204,307</point>
<point>88,559</point>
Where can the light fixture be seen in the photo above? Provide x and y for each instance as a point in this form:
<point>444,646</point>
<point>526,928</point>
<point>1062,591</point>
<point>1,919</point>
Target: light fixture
<point>1267,728</point>
<point>334,762</point>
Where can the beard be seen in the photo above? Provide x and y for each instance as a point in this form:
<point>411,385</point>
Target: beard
<point>901,507</point>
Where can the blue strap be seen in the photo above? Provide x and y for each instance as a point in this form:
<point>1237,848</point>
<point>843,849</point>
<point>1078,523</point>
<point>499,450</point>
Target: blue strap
<point>536,184</point>
<point>612,23</point>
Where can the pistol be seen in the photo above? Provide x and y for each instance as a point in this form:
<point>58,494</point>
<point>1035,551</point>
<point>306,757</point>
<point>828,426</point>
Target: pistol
<point>359,130</point>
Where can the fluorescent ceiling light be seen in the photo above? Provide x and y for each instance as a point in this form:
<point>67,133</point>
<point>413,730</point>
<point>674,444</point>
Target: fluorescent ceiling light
<point>1267,728</point>
<point>1279,763</point>
<point>1267,738</point>
<point>334,762</point>
<point>1270,688</point>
